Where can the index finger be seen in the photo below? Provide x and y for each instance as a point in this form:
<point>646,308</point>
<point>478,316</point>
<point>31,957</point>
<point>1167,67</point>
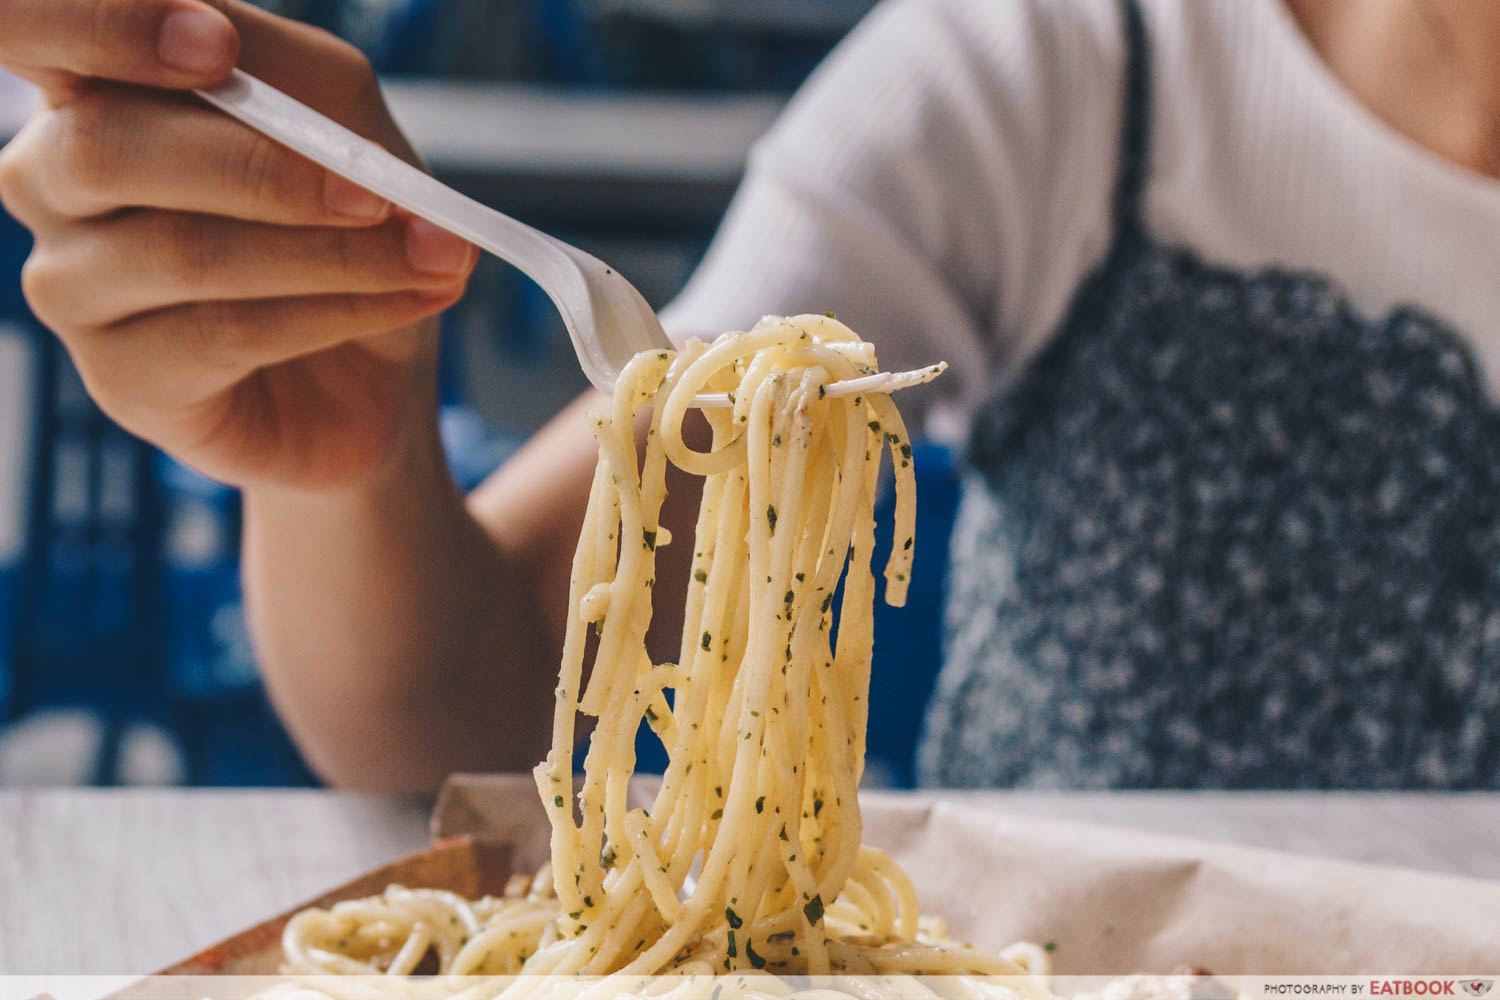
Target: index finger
<point>57,44</point>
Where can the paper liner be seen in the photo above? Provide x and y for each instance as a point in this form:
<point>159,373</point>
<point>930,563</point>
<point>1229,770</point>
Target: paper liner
<point>1111,901</point>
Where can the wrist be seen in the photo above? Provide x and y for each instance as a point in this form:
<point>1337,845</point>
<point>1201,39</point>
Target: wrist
<point>411,468</point>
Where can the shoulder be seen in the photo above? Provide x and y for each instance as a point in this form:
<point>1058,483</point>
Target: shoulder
<point>992,65</point>
<point>968,126</point>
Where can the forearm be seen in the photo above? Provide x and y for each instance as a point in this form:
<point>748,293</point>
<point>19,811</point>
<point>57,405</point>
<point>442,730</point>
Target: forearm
<point>394,634</point>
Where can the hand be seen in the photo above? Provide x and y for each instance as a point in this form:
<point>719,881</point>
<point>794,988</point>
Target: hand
<point>260,318</point>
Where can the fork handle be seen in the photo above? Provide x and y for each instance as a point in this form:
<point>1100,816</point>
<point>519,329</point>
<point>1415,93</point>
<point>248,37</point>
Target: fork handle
<point>331,145</point>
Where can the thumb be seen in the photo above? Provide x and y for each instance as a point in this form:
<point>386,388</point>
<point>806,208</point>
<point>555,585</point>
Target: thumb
<point>58,44</point>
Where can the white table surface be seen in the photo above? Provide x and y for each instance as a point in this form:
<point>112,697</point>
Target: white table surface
<point>125,882</point>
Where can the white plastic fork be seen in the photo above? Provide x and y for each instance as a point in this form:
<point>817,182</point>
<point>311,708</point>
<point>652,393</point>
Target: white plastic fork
<point>607,319</point>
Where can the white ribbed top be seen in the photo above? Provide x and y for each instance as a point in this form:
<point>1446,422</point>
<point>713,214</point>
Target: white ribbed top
<point>943,182</point>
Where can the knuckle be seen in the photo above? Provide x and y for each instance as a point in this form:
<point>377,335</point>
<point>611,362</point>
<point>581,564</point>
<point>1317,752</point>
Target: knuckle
<point>12,171</point>
<point>345,252</point>
<point>192,247</point>
<point>216,336</point>
<point>37,282</point>
<point>82,135</point>
<point>47,287</point>
<point>259,167</point>
<point>354,89</point>
<point>352,65</point>
<point>51,289</point>
<point>194,332</point>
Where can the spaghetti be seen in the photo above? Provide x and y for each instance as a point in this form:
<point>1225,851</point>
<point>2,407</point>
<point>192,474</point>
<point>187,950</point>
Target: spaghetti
<point>750,857</point>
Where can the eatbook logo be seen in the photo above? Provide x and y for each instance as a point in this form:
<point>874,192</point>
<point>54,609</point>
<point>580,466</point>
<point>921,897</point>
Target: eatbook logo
<point>1476,987</point>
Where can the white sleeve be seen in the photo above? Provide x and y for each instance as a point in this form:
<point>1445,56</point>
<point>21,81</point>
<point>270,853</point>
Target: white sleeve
<point>909,184</point>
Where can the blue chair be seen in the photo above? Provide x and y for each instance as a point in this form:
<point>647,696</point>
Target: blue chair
<point>120,613</point>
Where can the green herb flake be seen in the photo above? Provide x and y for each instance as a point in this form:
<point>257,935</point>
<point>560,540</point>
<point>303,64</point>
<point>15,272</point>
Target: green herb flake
<point>733,918</point>
<point>760,804</point>
<point>755,960</point>
<point>817,807</point>
<point>1050,946</point>
<point>716,814</point>
<point>813,910</point>
<point>732,951</point>
<point>771,517</point>
<point>706,641</point>
<point>557,800</point>
<point>702,577</point>
<point>649,539</point>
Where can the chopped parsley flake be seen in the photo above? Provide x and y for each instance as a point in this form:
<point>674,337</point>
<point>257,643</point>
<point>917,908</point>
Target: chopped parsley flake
<point>813,910</point>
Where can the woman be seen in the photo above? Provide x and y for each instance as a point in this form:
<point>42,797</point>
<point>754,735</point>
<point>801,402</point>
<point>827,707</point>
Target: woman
<point>1216,277</point>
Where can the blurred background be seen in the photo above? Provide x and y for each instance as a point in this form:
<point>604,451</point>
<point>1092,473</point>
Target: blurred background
<point>621,126</point>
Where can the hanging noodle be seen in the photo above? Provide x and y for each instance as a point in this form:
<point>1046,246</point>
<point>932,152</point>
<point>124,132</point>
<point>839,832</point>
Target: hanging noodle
<point>750,857</point>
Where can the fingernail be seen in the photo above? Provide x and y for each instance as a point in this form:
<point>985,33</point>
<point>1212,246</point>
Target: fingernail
<point>431,250</point>
<point>196,41</point>
<point>347,198</point>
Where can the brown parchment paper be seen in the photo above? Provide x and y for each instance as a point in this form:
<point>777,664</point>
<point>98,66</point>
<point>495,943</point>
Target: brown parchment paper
<point>1114,901</point>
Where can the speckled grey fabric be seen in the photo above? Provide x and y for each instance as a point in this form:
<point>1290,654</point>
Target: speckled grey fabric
<point>1226,532</point>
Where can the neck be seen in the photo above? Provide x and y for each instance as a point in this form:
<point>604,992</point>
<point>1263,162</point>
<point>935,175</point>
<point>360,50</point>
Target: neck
<point>1430,68</point>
